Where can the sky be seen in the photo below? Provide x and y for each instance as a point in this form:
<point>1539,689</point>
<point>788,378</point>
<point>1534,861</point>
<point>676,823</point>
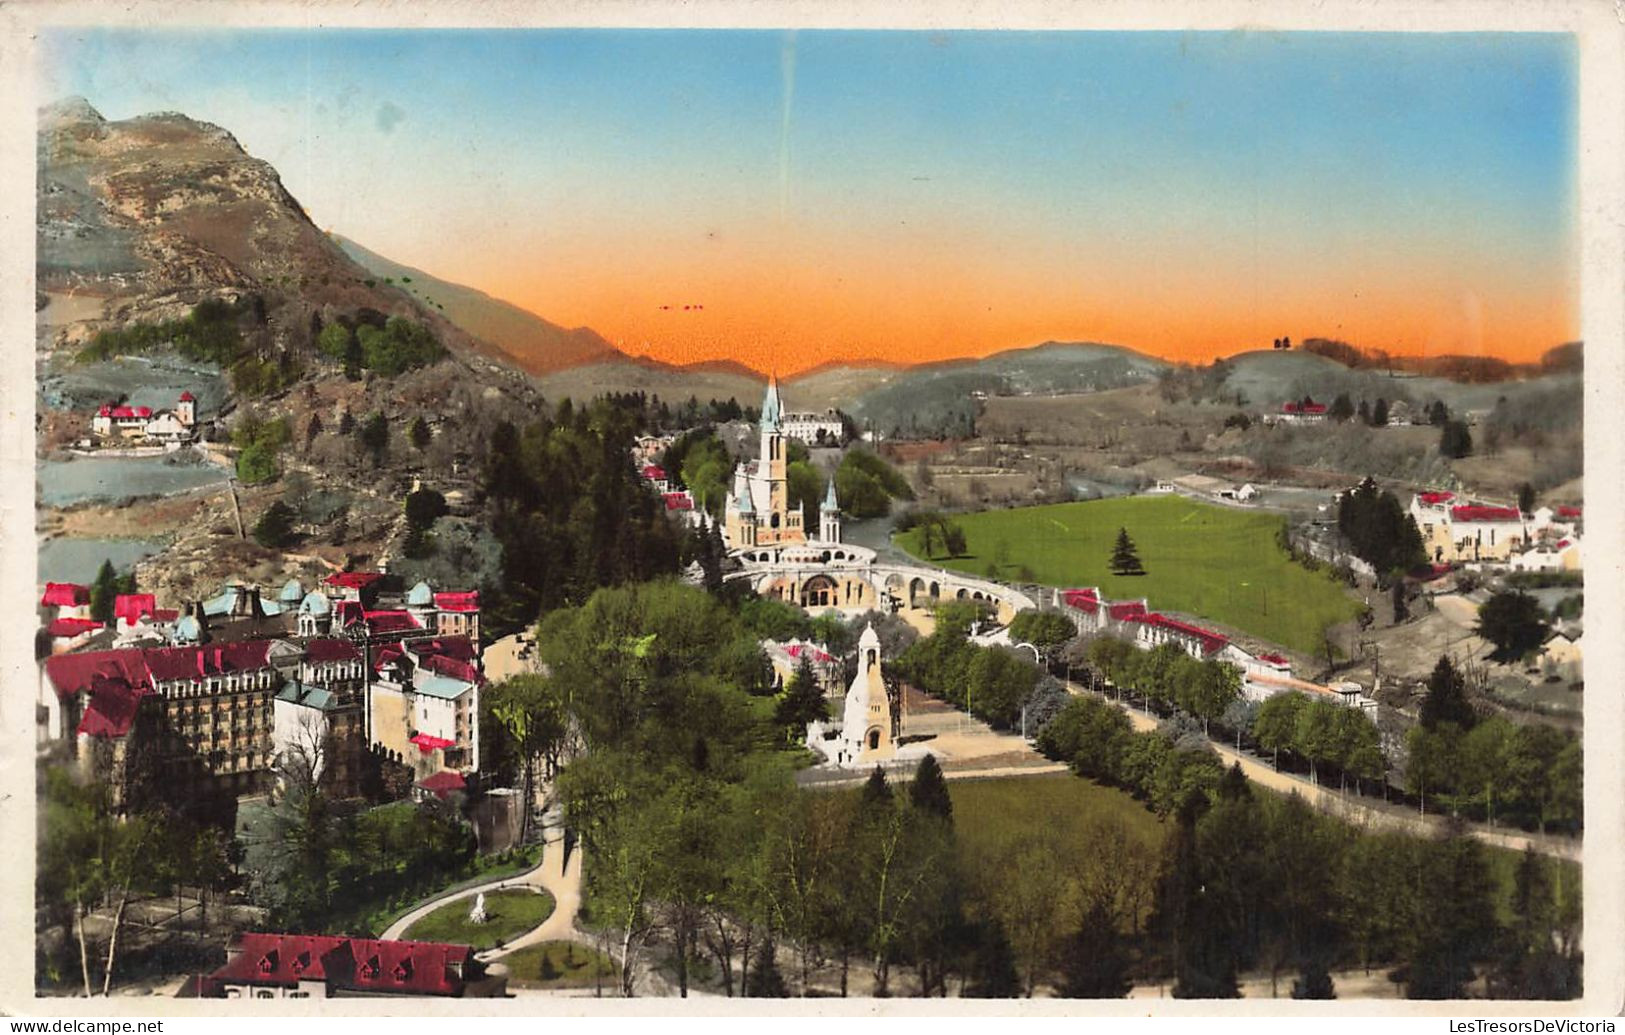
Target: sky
<point>787,199</point>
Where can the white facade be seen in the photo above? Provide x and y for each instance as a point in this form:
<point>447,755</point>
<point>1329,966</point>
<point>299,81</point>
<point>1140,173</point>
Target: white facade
<point>806,427</point>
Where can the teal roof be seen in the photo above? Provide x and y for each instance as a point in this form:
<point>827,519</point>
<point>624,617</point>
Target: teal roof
<point>420,596</point>
<point>315,603</point>
<point>771,414</point>
<point>187,630</point>
<point>291,593</point>
<point>439,686</point>
<point>829,497</point>
<point>316,697</point>
<point>222,604</point>
<point>745,506</point>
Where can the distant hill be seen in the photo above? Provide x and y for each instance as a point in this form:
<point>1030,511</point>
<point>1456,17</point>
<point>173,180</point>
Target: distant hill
<point>672,384</point>
<point>939,399</point>
<point>536,345</point>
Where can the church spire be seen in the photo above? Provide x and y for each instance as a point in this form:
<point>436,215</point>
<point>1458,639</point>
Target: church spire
<point>771,407</point>
<point>829,497</point>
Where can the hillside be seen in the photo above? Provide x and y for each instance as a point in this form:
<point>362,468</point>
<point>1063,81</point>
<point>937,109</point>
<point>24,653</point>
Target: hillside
<point>1266,378</point>
<point>939,399</point>
<point>141,219</point>
<point>536,345</point>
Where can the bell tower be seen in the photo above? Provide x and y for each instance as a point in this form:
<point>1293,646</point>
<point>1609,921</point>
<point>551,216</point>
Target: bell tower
<point>829,517</point>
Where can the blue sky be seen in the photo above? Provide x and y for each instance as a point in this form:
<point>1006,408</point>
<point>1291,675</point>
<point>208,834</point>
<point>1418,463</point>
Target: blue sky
<point>1373,183</point>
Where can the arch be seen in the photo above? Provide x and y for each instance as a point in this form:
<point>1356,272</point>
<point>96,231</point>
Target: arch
<point>962,594</point>
<point>936,591</point>
<point>916,586</point>
<point>895,581</point>
<point>773,521</point>
<point>874,738</point>
<point>818,591</point>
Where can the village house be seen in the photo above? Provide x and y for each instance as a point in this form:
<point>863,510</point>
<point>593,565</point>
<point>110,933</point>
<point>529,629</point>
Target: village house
<point>303,966</point>
<point>423,706</point>
<point>1305,411</point>
<point>1456,532</point>
<point>142,423</point>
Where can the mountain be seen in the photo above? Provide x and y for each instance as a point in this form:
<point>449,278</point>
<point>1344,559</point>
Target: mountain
<point>538,346</point>
<point>940,398</point>
<point>139,220</point>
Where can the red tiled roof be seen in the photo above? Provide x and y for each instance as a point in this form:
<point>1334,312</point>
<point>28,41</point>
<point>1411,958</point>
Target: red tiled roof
<point>1273,659</point>
<point>1561,543</point>
<point>390,621</point>
<point>426,743</point>
<point>1473,513</point>
<point>131,606</point>
<point>795,651</point>
<point>353,579</point>
<point>359,964</point>
<point>187,397</point>
<point>1311,407</point>
<point>168,663</point>
<point>459,647</point>
<point>111,710</point>
<point>679,501</point>
<point>65,594</point>
<point>1085,600</point>
<point>348,612</point>
<point>386,656</point>
<point>1568,511</point>
<point>1210,641</point>
<point>125,412</point>
<point>165,614</point>
<point>453,667</point>
<point>1132,611</point>
<point>654,472</point>
<point>62,627</point>
<point>71,674</point>
<point>1433,499</point>
<point>443,783</point>
<point>331,650</point>
<point>469,601</point>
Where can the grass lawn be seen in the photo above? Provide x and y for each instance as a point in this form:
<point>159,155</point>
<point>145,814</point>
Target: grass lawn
<point>370,918</point>
<point>509,914</point>
<point>990,814</point>
<point>560,965</point>
<point>1214,562</point>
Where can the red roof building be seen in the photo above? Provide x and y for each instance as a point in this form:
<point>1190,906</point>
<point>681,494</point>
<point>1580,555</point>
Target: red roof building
<point>469,601</point>
<point>1132,611</point>
<point>1085,600</point>
<point>425,743</point>
<point>131,607</point>
<point>1434,499</point>
<point>679,501</point>
<point>384,623</point>
<point>1568,512</point>
<point>1305,409</point>
<point>654,472</point>
<point>343,965</point>
<point>1207,640</point>
<point>65,594</point>
<point>67,628</point>
<point>1474,513</point>
<point>443,783</point>
<point>330,650</point>
<point>125,412</point>
<point>187,397</point>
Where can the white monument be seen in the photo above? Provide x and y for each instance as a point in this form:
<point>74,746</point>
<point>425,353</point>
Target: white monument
<point>477,914</point>
<point>866,724</point>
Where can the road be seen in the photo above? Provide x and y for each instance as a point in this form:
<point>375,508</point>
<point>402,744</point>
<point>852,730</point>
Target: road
<point>1359,811</point>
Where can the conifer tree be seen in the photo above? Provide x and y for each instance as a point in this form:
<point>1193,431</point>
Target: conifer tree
<point>766,982</point>
<point>1094,964</point>
<point>103,591</point>
<point>993,966</point>
<point>803,701</point>
<point>1125,561</point>
<point>929,791</point>
<point>877,791</point>
<point>1446,700</point>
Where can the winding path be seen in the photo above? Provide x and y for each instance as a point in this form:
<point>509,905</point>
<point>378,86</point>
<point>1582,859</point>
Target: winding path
<point>551,875</point>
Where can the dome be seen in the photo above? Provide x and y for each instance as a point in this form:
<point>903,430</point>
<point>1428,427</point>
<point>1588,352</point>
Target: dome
<point>316,603</point>
<point>186,629</point>
<point>420,596</point>
<point>292,593</point>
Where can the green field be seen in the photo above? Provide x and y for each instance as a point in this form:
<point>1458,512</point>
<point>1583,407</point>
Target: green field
<point>1214,562</point>
<point>560,965</point>
<point>989,814</point>
<point>509,914</point>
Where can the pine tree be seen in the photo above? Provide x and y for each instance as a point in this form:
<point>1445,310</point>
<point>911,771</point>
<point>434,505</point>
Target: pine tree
<point>929,791</point>
<point>418,433</point>
<point>1379,413</point>
<point>1446,700</point>
<point>803,701</point>
<point>1402,610</point>
<point>1125,561</point>
<point>274,529</point>
<point>993,966</point>
<point>877,791</point>
<point>103,592</point>
<point>765,981</point>
<point>1315,982</point>
<point>1094,963</point>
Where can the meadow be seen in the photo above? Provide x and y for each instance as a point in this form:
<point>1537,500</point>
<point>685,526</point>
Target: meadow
<point>509,914</point>
<point>990,814</point>
<point>1219,563</point>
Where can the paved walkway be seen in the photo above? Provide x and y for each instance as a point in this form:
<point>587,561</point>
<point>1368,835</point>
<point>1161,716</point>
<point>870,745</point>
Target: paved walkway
<point>1369,812</point>
<point>549,875</point>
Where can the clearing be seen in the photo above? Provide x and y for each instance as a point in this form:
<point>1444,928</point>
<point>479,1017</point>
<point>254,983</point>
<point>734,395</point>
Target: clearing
<point>1220,563</point>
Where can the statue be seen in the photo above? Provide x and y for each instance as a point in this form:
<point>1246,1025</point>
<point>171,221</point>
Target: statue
<point>477,914</point>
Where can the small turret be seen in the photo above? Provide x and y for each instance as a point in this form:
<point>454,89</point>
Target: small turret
<point>829,517</point>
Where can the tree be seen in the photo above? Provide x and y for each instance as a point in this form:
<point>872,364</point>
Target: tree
<point>1341,409</point>
<point>1446,700</point>
<point>1379,413</point>
<point>1124,560</point>
<point>1456,920</point>
<point>103,592</point>
<point>256,464</point>
<point>418,433</point>
<point>1364,411</point>
<point>929,791</point>
<point>1526,498</point>
<point>765,981</point>
<point>1514,622</point>
<point>803,701</point>
<point>424,507</point>
<point>313,429</point>
<point>876,791</point>
<point>1094,960</point>
<point>274,529</point>
<point>1402,610</point>
<point>375,436</point>
<point>1455,441</point>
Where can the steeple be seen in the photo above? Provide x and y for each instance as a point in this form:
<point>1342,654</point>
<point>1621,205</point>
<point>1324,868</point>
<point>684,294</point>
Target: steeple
<point>772,410</point>
<point>829,498</point>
